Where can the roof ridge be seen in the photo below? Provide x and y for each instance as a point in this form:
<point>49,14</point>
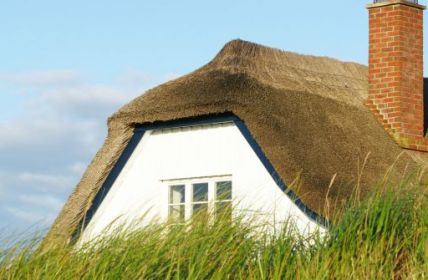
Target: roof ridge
<point>235,51</point>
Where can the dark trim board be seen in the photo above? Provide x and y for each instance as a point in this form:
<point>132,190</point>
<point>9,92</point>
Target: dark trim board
<point>275,176</point>
<point>108,183</point>
<point>138,135</point>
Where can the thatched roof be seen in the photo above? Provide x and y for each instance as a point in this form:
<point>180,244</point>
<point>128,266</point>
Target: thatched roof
<point>307,113</point>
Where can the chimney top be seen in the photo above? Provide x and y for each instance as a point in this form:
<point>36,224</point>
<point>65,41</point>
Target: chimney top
<point>396,83</point>
<point>410,1</point>
<point>381,3</point>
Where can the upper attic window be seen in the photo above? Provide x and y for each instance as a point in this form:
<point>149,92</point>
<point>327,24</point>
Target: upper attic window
<point>380,1</point>
<point>187,197</point>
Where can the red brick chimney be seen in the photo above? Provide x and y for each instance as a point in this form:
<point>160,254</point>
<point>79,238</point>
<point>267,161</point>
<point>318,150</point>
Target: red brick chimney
<point>396,84</point>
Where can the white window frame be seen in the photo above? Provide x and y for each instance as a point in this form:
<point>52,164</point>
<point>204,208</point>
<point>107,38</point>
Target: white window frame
<point>170,204</point>
<point>216,200</point>
<point>188,192</point>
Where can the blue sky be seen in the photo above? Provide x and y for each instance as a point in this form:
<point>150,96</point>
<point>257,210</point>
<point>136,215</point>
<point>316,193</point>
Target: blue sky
<point>65,66</point>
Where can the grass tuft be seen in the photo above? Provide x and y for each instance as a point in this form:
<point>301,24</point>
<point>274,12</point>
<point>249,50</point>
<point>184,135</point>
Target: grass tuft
<point>384,236</point>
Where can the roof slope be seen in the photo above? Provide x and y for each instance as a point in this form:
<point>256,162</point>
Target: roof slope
<point>306,113</point>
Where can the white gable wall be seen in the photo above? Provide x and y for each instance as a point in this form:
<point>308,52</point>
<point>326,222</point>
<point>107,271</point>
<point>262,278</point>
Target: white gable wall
<point>188,152</point>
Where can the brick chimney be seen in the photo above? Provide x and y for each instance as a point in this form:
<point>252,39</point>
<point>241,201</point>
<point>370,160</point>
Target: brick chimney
<point>396,83</point>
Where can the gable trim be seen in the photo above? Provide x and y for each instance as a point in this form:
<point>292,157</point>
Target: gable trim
<point>139,131</point>
<point>311,214</point>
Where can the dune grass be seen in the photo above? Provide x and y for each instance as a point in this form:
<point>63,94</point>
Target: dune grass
<point>385,236</point>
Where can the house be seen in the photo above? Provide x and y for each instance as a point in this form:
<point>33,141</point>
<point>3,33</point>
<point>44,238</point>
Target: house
<point>245,126</point>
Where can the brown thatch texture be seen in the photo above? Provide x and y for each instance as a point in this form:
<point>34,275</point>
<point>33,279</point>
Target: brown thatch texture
<point>305,112</point>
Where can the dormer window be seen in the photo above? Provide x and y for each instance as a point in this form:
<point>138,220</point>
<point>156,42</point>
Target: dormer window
<point>200,198</point>
<point>177,198</point>
<point>223,198</point>
<point>188,197</point>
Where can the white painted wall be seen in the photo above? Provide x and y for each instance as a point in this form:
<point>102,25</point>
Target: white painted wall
<point>207,150</point>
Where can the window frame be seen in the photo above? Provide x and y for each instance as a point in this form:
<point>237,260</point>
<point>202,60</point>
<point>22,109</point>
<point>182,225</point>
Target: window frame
<point>222,201</point>
<point>188,190</point>
<point>180,204</point>
<point>203,202</point>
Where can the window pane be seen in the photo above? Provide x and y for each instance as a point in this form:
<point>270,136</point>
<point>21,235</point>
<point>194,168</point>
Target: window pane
<point>224,190</point>
<point>200,209</point>
<point>176,194</point>
<point>176,213</point>
<point>200,192</point>
<point>223,210</point>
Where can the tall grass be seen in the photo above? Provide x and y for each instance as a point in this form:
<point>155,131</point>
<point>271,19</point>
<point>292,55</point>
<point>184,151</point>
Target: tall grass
<point>385,236</point>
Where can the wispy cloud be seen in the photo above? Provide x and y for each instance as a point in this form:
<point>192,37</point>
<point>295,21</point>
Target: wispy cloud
<point>46,201</point>
<point>2,186</point>
<point>31,217</point>
<point>47,147</point>
<point>77,167</point>
<point>46,181</point>
<point>58,77</point>
<point>86,101</point>
<point>137,78</point>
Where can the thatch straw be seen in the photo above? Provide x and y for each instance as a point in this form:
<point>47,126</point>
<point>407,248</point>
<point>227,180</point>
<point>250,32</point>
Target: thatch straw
<point>305,112</point>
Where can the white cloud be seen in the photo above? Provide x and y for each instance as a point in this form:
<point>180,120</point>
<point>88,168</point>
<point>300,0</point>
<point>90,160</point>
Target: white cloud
<point>74,116</point>
<point>137,77</point>
<point>77,168</point>
<point>43,201</point>
<point>94,101</point>
<point>47,147</point>
<point>58,77</point>
<point>2,187</point>
<point>84,95</point>
<point>31,217</point>
<point>45,181</point>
